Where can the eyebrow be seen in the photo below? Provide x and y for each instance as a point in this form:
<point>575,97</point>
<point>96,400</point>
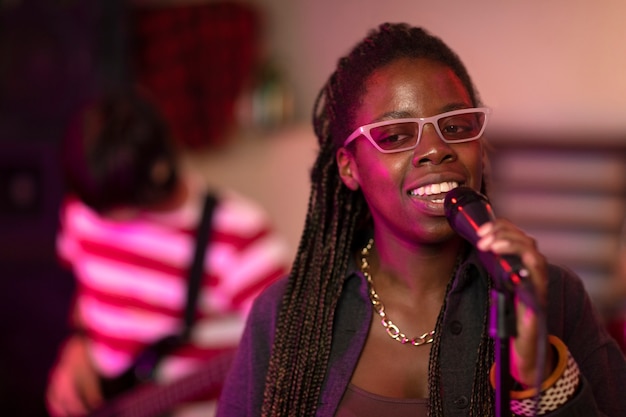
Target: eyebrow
<point>393,115</point>
<point>396,114</point>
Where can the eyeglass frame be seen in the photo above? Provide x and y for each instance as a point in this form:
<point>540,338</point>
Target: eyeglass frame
<point>421,122</point>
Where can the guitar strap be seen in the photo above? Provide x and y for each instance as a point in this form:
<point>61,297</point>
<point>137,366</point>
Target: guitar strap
<point>196,271</point>
<point>142,369</point>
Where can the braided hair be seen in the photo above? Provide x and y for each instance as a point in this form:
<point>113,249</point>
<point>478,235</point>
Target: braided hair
<point>335,217</point>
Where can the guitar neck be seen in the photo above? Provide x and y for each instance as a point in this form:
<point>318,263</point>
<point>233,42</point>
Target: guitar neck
<point>153,400</point>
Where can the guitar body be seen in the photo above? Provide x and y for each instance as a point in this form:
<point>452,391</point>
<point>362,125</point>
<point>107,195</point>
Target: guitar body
<point>149,399</point>
<point>113,387</point>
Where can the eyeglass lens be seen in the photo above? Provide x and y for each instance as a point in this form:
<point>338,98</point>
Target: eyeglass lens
<point>455,128</point>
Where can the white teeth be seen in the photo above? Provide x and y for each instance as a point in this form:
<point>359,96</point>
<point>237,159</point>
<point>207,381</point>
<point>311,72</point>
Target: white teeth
<point>431,189</point>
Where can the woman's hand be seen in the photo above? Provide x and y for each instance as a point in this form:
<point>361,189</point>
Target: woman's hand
<point>73,385</point>
<point>504,238</point>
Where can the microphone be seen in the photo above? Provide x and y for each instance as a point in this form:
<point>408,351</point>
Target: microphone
<point>466,210</point>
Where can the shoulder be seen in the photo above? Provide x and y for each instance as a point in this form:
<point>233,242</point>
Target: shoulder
<point>568,300</point>
<point>267,304</point>
<point>262,319</point>
<point>567,294</point>
<point>572,315</point>
<point>238,213</point>
<point>78,218</point>
<point>233,204</point>
<point>565,282</point>
<point>71,206</point>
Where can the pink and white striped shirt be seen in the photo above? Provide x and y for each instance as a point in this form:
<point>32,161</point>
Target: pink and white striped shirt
<point>132,278</point>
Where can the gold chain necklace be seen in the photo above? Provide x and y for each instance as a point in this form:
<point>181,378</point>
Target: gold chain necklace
<point>392,330</point>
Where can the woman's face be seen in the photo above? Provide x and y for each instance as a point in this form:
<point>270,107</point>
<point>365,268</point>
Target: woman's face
<point>403,190</point>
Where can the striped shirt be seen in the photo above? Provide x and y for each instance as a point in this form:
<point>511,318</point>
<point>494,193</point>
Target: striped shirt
<point>132,278</point>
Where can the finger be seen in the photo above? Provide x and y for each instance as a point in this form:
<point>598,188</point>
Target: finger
<point>63,395</point>
<point>64,405</point>
<point>91,392</point>
<point>506,236</point>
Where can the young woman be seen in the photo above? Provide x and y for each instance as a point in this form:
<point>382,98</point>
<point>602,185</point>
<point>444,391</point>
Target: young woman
<point>399,125</point>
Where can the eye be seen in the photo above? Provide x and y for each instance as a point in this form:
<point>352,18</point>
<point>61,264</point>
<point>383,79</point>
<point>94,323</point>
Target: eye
<point>459,127</point>
<point>395,135</point>
<point>393,139</point>
<point>454,128</point>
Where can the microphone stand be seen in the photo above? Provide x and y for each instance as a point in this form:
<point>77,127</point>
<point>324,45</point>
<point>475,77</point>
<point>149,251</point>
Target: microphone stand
<point>501,328</point>
<point>467,209</point>
<point>508,284</point>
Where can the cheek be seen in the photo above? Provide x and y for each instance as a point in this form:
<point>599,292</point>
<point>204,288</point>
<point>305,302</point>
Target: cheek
<point>382,172</point>
<point>474,162</point>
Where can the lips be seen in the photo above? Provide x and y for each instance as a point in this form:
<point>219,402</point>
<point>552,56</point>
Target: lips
<point>433,189</point>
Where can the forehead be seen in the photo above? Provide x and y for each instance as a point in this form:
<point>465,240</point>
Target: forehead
<point>411,88</point>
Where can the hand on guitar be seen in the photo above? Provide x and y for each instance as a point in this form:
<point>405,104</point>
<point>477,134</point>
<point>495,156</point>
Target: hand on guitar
<point>73,386</point>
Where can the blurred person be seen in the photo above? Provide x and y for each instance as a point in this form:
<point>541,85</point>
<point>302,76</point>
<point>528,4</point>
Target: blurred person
<point>127,231</point>
<point>386,311</point>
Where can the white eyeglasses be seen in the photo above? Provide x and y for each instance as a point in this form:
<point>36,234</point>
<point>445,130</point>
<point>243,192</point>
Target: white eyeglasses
<point>399,135</point>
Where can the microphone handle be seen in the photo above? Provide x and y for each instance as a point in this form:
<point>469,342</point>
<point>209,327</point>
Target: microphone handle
<point>510,275</point>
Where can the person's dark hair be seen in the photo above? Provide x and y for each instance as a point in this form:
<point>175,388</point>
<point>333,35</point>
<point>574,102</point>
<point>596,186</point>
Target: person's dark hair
<point>117,151</point>
<point>336,216</point>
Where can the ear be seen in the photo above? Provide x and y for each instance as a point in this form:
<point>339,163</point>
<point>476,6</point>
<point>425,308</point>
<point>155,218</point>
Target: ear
<point>348,170</point>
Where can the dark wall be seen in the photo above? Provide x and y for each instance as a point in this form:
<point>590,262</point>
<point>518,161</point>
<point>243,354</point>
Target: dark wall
<point>53,55</point>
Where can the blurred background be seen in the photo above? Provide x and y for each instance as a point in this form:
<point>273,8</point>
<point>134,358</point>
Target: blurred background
<point>237,81</point>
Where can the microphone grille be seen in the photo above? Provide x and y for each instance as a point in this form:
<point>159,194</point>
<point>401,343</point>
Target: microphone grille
<point>461,196</point>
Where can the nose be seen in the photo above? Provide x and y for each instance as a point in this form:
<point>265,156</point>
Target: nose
<point>431,147</point>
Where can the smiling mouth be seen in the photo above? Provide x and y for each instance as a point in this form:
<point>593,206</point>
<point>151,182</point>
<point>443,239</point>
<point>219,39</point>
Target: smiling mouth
<point>434,189</point>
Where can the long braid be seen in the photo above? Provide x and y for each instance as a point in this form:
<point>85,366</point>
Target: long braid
<point>335,215</point>
<point>481,403</point>
<point>435,402</point>
<point>302,346</point>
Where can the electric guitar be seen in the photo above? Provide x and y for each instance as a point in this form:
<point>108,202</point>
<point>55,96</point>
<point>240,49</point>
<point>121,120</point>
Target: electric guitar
<point>154,400</point>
